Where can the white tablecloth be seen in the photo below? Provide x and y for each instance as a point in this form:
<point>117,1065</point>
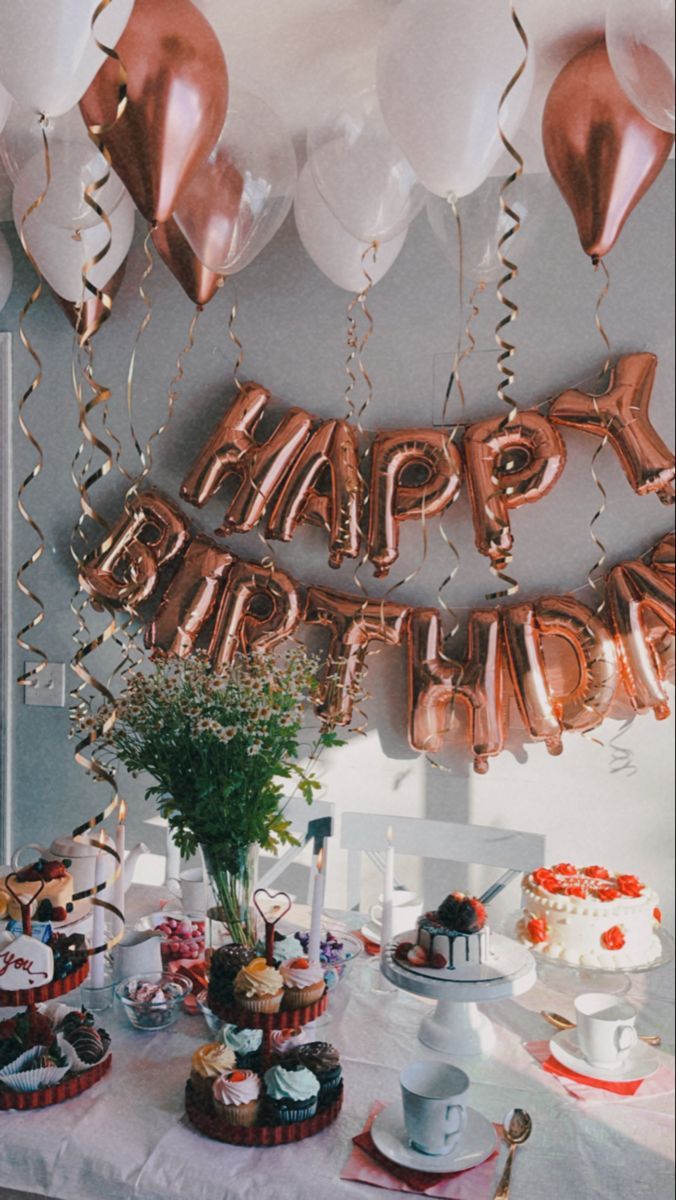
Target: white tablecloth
<point>128,1137</point>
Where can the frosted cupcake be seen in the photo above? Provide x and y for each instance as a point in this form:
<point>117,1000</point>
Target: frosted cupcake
<point>285,1041</point>
<point>303,982</point>
<point>246,1044</point>
<point>292,1095</point>
<point>208,1063</point>
<point>259,988</point>
<point>323,1061</point>
<point>237,1097</point>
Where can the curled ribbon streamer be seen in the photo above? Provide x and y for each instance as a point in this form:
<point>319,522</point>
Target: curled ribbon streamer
<point>507,350</point>
<point>622,758</point>
<point>596,568</point>
<point>232,334</point>
<point>144,453</point>
<point>28,678</point>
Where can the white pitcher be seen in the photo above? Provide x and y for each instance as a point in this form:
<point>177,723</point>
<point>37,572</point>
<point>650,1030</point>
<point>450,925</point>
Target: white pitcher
<point>138,954</point>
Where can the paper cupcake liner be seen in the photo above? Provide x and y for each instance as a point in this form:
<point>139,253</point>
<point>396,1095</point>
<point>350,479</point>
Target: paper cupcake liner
<point>23,1061</point>
<point>301,997</point>
<point>238,1114</point>
<point>32,1081</point>
<point>75,1063</point>
<point>260,1004</point>
<point>297,1112</point>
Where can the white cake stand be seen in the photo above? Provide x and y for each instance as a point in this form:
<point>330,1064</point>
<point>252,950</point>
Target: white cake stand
<point>456,1027</point>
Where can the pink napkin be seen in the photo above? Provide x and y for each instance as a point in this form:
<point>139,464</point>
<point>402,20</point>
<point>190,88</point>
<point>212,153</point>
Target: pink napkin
<point>584,1088</point>
<point>367,1165</point>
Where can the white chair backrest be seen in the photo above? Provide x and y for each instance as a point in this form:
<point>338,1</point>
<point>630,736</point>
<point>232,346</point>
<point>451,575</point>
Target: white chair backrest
<point>308,822</point>
<point>481,845</point>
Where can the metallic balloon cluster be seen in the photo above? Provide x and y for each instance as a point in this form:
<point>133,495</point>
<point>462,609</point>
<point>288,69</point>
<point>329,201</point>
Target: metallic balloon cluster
<point>248,607</point>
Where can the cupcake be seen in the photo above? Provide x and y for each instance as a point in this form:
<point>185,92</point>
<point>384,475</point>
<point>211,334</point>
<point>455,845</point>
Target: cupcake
<point>259,988</point>
<point>284,1041</point>
<point>237,1097</point>
<point>225,964</point>
<point>246,1045</point>
<point>324,1062</point>
<point>303,982</point>
<point>291,1094</point>
<point>209,1062</point>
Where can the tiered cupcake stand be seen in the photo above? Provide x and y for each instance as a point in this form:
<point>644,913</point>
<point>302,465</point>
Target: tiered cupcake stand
<point>456,1026</point>
<point>29,998</point>
<point>264,1135</point>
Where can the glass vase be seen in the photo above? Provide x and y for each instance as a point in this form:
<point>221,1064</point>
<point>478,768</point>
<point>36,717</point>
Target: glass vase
<point>232,879</point>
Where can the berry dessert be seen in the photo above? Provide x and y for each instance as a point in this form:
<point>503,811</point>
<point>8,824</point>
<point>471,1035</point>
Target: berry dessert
<point>455,935</point>
<point>590,917</point>
<point>181,938</point>
<point>40,1048</point>
<point>50,883</point>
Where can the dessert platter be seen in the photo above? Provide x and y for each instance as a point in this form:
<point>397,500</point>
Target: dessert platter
<point>454,957</point>
<point>49,1051</point>
<point>598,924</point>
<point>262,1085</point>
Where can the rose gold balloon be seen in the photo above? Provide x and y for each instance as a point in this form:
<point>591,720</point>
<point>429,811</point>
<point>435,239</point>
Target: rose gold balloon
<point>199,284</point>
<point>354,624</point>
<point>602,153</point>
<point>212,204</point>
<point>546,712</point>
<point>663,557</point>
<point>634,593</point>
<point>622,413</point>
<point>392,500</point>
<point>435,683</point>
<point>190,598</point>
<point>148,535</point>
<point>177,97</point>
<point>332,451</point>
<point>240,626</point>
<point>507,466</point>
<point>87,318</point>
<point>233,449</point>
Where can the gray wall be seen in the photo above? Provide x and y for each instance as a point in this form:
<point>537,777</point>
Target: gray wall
<point>292,323</point>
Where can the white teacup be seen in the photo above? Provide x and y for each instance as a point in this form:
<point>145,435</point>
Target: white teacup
<point>406,908</point>
<point>435,1106</point>
<point>191,889</point>
<point>605,1029</point>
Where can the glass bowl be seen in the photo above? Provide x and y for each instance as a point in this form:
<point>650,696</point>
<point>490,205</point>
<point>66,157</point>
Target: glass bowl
<point>214,1024</point>
<point>334,961</point>
<point>151,1015</point>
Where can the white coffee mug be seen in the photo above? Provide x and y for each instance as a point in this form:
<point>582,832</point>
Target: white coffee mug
<point>406,908</point>
<point>605,1029</point>
<point>435,1106</point>
<point>191,889</point>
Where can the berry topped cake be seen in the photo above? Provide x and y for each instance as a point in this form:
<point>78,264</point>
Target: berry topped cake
<point>44,881</point>
<point>455,935</point>
<point>590,917</point>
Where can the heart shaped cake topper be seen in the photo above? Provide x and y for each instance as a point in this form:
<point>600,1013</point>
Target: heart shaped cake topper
<point>24,904</point>
<point>272,906</point>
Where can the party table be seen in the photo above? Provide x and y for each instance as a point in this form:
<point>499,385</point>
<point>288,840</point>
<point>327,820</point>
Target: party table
<point>128,1137</point>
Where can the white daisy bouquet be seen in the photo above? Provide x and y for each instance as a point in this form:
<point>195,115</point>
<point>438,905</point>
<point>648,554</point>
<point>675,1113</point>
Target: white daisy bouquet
<point>222,750</point>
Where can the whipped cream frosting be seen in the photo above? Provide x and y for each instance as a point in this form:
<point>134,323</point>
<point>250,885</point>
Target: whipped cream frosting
<point>212,1060</point>
<point>237,1087</point>
<point>258,979</point>
<point>281,1084</point>
<point>284,1040</point>
<point>299,973</point>
<point>242,1041</point>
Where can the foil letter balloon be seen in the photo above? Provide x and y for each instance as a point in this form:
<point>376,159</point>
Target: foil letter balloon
<point>331,454</point>
<point>354,624</point>
<point>233,449</point>
<point>579,703</point>
<point>435,683</point>
<point>258,609</point>
<point>190,598</point>
<point>393,499</point>
<point>622,414</point>
<point>602,152</point>
<point>149,534</point>
<point>198,282</point>
<point>177,97</point>
<point>635,592</point>
<point>509,464</point>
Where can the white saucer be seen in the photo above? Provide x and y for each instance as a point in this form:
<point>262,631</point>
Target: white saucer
<point>371,932</point>
<point>390,1138</point>
<point>641,1063</point>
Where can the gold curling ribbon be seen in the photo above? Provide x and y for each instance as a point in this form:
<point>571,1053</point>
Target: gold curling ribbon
<point>595,570</point>
<point>28,678</point>
<point>234,338</point>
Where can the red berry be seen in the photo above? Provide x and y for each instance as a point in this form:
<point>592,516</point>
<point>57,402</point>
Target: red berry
<point>608,893</point>
<point>438,962</point>
<point>629,885</point>
<point>401,952</point>
<point>596,872</point>
<point>417,956</point>
<point>575,889</point>
<point>657,913</point>
<point>480,910</point>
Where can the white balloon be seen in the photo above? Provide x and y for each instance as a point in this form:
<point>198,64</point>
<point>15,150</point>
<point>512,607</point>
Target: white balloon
<point>340,256</point>
<point>61,251</point>
<point>361,172</point>
<point>640,40</point>
<point>73,166</point>
<point>22,137</point>
<point>6,271</point>
<point>5,106</point>
<point>442,68</point>
<point>48,56</point>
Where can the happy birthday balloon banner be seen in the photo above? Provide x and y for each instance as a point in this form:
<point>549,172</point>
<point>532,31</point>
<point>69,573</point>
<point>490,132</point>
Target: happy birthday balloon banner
<point>246,606</point>
<point>308,470</point>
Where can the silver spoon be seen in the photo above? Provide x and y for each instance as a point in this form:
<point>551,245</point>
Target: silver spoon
<point>517,1127</point>
<point>559,1022</point>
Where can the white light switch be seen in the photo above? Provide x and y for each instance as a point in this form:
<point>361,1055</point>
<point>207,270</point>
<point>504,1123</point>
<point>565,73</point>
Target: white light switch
<point>47,688</point>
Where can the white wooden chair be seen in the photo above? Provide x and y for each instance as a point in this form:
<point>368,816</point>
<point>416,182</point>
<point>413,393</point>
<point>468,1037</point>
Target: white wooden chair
<point>480,845</point>
<point>308,824</point>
